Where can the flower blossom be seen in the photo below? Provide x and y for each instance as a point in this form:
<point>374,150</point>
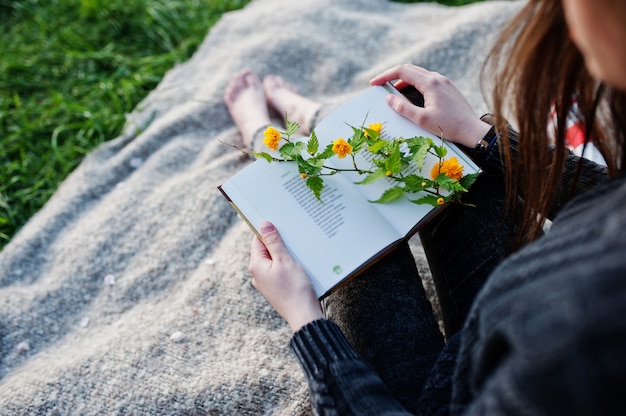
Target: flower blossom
<point>450,167</point>
<point>342,148</point>
<point>377,127</point>
<point>272,137</point>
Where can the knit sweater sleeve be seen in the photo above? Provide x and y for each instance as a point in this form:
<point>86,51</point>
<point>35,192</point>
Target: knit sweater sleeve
<point>340,382</point>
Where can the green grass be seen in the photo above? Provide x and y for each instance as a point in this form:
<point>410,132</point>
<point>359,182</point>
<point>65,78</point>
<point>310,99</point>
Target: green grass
<point>69,72</point>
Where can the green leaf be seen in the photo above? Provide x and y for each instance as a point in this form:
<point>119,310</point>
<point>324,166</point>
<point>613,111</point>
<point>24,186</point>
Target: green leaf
<point>414,183</point>
<point>292,127</point>
<point>380,163</point>
<point>390,195</point>
<point>313,144</point>
<point>418,147</point>
<point>419,141</point>
<point>299,147</point>
<point>314,161</point>
<point>357,140</point>
<point>373,134</point>
<point>288,151</point>
<point>305,166</point>
<point>419,157</point>
<point>441,151</point>
<point>394,160</point>
<point>468,180</point>
<point>263,155</point>
<point>315,184</point>
<point>378,146</point>
<point>291,150</point>
<point>328,152</point>
<point>373,177</point>
<point>427,200</point>
<point>449,184</point>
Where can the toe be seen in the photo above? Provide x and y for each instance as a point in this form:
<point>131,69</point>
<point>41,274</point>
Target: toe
<point>240,82</point>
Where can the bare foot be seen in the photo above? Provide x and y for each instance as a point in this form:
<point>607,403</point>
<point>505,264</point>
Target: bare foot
<point>285,99</point>
<point>246,104</point>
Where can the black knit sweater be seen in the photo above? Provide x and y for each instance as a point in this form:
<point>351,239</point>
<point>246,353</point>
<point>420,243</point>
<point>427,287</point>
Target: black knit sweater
<point>546,334</point>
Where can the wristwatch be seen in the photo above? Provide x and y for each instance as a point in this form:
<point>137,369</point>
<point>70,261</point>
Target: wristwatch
<point>484,145</point>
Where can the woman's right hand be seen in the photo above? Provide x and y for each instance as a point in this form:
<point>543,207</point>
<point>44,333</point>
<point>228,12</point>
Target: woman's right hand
<point>445,111</point>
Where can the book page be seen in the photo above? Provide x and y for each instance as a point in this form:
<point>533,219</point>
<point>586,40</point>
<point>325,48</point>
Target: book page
<point>332,238</point>
<point>369,108</point>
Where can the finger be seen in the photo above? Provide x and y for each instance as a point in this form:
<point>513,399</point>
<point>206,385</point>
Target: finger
<point>386,76</point>
<point>259,256</point>
<point>400,85</point>
<point>258,249</point>
<point>405,72</point>
<point>272,241</point>
<point>404,107</point>
<point>422,79</point>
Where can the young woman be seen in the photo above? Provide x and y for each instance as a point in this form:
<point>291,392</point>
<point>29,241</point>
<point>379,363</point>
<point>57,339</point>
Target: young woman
<point>535,321</point>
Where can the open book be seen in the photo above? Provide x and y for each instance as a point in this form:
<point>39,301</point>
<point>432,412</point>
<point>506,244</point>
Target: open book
<point>340,236</point>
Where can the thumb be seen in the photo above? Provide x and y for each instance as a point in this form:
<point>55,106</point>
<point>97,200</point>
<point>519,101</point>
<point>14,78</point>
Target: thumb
<point>272,240</point>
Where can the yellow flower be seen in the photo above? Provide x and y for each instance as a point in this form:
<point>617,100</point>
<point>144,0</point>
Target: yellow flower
<point>450,167</point>
<point>303,175</point>
<point>424,184</point>
<point>341,148</point>
<point>272,137</point>
<point>377,127</point>
<point>440,201</point>
<point>388,173</point>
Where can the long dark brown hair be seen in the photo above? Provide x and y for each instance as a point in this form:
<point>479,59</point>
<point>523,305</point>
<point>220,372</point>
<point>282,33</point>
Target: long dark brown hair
<point>538,69</point>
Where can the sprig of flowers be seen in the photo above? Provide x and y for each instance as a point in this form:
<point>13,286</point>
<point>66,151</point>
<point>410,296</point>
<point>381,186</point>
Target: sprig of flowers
<point>390,159</point>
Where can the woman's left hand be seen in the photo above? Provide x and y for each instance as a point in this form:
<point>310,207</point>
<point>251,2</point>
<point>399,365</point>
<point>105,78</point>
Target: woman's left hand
<point>281,280</point>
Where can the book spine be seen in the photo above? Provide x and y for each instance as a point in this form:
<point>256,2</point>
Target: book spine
<point>243,217</point>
